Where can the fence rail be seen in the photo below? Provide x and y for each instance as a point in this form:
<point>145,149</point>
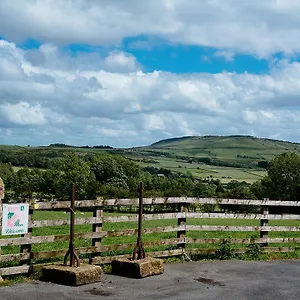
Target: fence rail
<point>105,237</point>
<point>162,201</point>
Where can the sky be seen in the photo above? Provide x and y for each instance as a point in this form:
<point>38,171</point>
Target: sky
<point>130,73</point>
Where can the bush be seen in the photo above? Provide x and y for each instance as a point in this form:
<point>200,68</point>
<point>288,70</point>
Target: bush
<point>254,251</point>
<point>225,251</point>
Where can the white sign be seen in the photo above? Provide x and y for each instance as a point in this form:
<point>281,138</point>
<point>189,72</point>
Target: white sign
<point>15,219</point>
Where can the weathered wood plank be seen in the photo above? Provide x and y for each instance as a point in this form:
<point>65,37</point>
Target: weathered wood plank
<point>242,202</point>
<point>117,219</point>
<point>281,228</point>
<point>48,238</point>
<point>49,223</point>
<point>165,216</point>
<point>241,228</point>
<point>115,233</point>
<point>243,216</point>
<point>221,228</point>
<point>146,217</point>
<point>278,249</point>
<point>281,240</point>
<point>164,229</point>
<point>163,201</point>
<point>193,200</point>
<point>50,205</point>
<point>12,257</point>
<point>241,241</point>
<point>146,201</point>
<point>217,240</point>
<point>14,270</point>
<point>130,232</point>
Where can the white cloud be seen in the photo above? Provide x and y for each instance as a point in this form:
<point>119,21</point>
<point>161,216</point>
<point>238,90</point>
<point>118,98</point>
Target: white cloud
<point>23,114</point>
<point>118,61</point>
<point>253,26</point>
<point>48,102</point>
<point>226,54</point>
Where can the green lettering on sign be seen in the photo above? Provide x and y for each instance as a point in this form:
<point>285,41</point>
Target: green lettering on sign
<point>9,215</point>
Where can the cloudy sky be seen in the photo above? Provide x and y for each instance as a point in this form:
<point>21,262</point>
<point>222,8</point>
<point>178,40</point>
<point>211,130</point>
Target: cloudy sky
<point>129,73</point>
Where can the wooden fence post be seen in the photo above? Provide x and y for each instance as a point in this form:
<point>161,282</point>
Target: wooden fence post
<point>264,222</point>
<point>26,248</point>
<point>181,222</point>
<point>97,227</point>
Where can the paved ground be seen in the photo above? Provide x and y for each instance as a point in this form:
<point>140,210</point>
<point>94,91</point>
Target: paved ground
<point>229,280</point>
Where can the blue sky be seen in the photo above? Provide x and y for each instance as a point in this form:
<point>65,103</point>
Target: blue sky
<point>157,54</point>
<point>101,72</point>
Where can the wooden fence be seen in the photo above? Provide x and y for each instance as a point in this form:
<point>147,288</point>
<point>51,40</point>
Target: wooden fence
<point>184,232</point>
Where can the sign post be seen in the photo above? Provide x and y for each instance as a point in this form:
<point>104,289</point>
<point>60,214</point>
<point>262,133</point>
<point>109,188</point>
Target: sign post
<point>15,219</point>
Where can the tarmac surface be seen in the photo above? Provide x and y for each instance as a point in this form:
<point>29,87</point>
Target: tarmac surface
<point>222,280</point>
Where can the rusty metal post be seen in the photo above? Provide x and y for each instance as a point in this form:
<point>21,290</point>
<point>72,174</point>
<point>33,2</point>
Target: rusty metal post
<point>139,249</point>
<point>73,255</point>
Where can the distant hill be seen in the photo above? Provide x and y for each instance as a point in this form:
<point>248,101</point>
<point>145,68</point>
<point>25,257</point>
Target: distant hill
<point>242,158</point>
<point>235,147</point>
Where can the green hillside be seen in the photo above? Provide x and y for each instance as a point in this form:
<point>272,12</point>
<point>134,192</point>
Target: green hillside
<point>226,147</point>
<point>222,157</point>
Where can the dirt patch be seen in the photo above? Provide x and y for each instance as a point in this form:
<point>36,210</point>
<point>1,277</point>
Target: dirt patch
<point>209,281</point>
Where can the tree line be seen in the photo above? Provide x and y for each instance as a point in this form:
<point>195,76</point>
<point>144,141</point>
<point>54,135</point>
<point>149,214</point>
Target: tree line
<point>113,176</point>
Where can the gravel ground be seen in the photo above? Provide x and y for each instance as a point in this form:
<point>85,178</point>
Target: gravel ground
<point>222,280</point>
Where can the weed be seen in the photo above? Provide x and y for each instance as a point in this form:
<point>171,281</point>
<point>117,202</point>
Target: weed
<point>253,251</point>
<point>225,250</point>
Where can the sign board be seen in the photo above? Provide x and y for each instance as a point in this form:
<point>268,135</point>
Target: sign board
<point>15,219</point>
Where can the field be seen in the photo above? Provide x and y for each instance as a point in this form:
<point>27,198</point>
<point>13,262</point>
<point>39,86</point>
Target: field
<point>200,170</point>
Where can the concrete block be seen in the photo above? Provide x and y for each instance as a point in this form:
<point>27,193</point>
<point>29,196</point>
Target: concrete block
<point>72,276</point>
<point>137,268</point>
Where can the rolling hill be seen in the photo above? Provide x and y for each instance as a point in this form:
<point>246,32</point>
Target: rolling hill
<point>226,147</point>
<point>222,157</point>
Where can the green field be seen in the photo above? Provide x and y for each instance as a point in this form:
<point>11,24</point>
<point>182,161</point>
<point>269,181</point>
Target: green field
<point>200,170</point>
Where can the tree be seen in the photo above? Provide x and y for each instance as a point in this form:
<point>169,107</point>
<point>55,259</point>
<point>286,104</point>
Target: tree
<point>25,183</point>
<point>284,177</point>
<point>6,171</point>
<point>75,170</point>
